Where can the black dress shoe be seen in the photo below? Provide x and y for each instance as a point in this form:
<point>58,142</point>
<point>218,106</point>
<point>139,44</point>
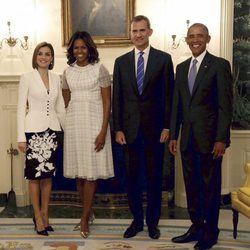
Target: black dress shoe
<point>132,230</point>
<point>204,244</point>
<point>185,238</point>
<point>154,232</point>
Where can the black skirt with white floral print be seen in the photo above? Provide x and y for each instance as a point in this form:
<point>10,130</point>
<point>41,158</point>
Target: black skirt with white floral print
<point>41,155</point>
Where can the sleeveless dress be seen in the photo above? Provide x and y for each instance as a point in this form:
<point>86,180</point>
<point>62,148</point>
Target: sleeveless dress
<point>84,117</point>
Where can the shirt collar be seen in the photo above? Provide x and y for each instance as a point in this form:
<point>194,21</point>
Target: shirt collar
<point>200,57</point>
<point>146,51</point>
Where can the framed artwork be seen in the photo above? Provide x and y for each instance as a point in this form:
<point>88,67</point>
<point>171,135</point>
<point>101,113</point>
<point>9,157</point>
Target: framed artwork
<point>107,21</point>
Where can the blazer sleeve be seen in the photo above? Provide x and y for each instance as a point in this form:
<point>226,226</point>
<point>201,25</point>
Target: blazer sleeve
<point>117,98</point>
<point>176,112</point>
<point>59,107</point>
<point>225,101</point>
<point>169,88</point>
<point>23,91</point>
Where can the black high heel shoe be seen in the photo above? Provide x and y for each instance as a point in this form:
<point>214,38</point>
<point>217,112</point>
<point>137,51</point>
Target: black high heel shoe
<point>49,229</point>
<point>42,232</point>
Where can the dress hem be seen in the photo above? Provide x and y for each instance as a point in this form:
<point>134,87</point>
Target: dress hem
<point>89,178</point>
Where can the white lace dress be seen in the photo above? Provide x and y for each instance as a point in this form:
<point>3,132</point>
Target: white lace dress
<point>83,123</point>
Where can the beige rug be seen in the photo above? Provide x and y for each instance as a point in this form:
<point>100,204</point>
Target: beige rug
<point>106,234</point>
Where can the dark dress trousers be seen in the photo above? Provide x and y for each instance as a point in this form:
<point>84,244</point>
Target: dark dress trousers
<point>204,118</point>
<point>142,118</point>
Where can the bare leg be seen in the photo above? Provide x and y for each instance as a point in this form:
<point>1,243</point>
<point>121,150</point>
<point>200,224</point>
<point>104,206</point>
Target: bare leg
<point>45,185</point>
<point>88,198</point>
<point>80,188</point>
<point>34,189</point>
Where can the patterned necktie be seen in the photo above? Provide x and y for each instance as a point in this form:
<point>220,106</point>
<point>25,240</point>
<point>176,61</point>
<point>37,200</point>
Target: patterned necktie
<point>192,76</point>
<point>140,72</point>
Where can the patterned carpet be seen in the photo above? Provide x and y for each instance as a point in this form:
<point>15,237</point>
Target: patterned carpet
<point>106,234</point>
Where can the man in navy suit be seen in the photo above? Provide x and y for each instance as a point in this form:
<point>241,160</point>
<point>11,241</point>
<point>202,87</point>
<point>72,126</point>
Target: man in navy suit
<point>204,112</point>
<point>141,122</point>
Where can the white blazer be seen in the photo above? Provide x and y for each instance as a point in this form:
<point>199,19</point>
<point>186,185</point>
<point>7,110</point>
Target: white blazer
<point>44,110</point>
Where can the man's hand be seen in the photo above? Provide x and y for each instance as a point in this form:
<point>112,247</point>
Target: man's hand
<point>219,149</point>
<point>120,138</point>
<point>172,147</point>
<point>164,135</point>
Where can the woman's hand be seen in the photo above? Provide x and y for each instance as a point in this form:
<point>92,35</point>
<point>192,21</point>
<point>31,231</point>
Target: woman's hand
<point>100,141</point>
<point>22,146</point>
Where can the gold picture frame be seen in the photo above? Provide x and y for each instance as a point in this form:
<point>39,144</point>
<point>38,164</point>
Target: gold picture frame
<point>109,24</point>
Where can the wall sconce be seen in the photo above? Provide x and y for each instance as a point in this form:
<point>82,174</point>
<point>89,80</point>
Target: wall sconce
<point>11,41</point>
<point>175,44</point>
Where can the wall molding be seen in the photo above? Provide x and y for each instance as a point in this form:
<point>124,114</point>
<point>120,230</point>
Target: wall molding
<point>226,27</point>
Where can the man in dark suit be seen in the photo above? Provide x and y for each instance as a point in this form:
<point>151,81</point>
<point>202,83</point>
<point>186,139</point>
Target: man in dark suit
<point>141,116</point>
<point>202,106</point>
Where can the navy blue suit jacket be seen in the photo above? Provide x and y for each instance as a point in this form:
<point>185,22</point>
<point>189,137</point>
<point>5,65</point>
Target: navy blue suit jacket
<point>150,110</point>
<point>208,111</point>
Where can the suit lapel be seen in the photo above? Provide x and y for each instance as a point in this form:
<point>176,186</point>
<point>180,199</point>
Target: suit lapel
<point>152,61</point>
<point>185,74</point>
<point>131,68</point>
<point>202,71</point>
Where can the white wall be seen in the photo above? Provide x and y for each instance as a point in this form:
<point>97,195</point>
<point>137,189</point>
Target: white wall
<point>41,20</point>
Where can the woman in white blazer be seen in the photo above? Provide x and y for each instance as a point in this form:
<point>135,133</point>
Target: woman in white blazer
<point>40,115</point>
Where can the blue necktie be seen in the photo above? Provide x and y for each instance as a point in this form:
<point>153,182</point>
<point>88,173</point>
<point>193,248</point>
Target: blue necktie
<point>140,72</point>
<point>192,76</point>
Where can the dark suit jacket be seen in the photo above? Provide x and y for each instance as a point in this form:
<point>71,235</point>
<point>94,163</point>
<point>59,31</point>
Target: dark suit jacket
<point>150,110</point>
<point>208,111</point>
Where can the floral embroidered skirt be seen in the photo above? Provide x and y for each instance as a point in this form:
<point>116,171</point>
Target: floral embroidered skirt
<point>41,155</point>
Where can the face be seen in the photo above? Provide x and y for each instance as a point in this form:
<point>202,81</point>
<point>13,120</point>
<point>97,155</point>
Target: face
<point>140,34</point>
<point>44,57</point>
<point>197,39</point>
<point>80,52</point>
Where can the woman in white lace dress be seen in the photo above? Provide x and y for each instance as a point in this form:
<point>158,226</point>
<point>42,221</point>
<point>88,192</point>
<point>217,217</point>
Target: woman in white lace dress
<point>87,141</point>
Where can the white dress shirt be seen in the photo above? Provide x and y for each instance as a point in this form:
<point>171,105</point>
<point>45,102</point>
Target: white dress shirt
<point>145,57</point>
<point>199,60</point>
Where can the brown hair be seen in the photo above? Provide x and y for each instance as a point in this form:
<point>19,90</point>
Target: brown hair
<point>39,46</point>
<point>93,56</point>
<point>141,18</point>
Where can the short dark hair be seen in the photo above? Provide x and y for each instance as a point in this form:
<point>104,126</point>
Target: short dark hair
<point>204,27</point>
<point>141,18</point>
<point>36,50</point>
<point>93,56</point>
